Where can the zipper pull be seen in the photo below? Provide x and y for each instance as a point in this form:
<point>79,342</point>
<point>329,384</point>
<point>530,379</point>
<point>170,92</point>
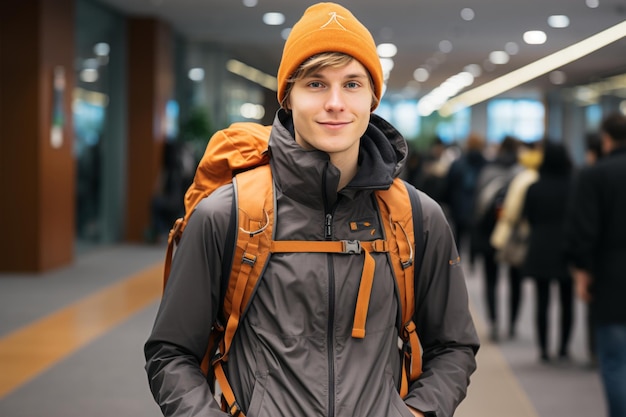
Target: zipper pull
<point>328,227</point>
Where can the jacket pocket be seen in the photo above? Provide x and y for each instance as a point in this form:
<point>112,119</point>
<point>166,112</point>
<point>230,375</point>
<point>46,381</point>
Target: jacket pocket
<point>258,393</point>
<point>397,407</point>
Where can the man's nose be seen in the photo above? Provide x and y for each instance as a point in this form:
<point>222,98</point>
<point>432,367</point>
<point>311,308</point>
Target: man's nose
<point>335,100</point>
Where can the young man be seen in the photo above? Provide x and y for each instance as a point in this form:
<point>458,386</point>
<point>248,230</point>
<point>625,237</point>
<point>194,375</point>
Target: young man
<point>596,247</point>
<point>293,353</point>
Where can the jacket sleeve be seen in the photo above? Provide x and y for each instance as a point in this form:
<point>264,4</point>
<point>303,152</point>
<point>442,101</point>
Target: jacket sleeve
<point>179,338</point>
<point>443,321</point>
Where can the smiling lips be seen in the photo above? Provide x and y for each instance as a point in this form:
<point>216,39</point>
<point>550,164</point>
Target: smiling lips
<point>333,124</point>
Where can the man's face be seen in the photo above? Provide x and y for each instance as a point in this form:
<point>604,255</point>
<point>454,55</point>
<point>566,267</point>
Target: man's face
<point>331,109</point>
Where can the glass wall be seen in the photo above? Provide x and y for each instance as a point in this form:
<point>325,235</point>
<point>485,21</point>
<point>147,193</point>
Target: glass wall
<point>98,109</point>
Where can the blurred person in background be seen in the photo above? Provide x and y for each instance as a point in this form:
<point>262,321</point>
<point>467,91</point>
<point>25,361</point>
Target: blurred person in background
<point>511,225</point>
<point>544,207</point>
<point>596,249</point>
<point>460,184</point>
<point>434,168</point>
<point>491,188</point>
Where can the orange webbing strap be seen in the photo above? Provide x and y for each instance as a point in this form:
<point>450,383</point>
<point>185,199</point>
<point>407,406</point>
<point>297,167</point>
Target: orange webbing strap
<point>172,239</point>
<point>400,225</point>
<point>396,200</point>
<point>363,299</point>
<point>253,245</point>
<point>411,357</point>
<point>350,247</point>
<point>229,403</point>
<point>253,249</point>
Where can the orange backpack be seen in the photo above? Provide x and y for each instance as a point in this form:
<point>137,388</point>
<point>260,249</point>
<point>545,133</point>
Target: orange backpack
<point>239,154</point>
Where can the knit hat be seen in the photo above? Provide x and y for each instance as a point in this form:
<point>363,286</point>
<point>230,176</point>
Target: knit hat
<point>329,27</point>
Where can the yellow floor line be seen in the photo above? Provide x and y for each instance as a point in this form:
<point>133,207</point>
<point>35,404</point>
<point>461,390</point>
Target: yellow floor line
<point>29,351</point>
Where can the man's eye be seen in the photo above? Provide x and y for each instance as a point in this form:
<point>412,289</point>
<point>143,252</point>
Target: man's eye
<point>352,84</point>
<point>315,84</point>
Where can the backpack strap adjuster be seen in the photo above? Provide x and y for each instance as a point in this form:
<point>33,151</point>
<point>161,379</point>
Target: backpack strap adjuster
<point>351,247</point>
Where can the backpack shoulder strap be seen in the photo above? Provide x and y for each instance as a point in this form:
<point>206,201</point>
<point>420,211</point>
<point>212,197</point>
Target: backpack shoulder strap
<point>401,214</point>
<point>418,227</point>
<point>254,211</point>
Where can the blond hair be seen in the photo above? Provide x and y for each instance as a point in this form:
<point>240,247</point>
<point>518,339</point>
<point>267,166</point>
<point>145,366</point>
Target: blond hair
<point>318,62</point>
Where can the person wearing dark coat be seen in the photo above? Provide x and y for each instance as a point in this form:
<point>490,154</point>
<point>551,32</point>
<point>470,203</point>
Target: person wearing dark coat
<point>492,182</point>
<point>460,184</point>
<point>596,249</point>
<point>544,208</point>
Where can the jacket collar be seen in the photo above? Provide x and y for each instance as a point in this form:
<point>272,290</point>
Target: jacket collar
<point>309,177</point>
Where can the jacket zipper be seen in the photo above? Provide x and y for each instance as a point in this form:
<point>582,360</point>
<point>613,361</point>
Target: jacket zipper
<point>328,233</point>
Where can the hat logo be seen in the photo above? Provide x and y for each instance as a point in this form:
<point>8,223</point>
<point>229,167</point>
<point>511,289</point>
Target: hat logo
<point>333,18</point>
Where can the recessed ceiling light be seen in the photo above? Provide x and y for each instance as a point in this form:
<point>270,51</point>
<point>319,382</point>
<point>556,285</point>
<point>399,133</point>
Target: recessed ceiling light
<point>499,57</point>
<point>511,48</point>
<point>387,50</point>
<point>474,69</point>
<point>558,21</point>
<point>445,46</point>
<point>273,18</point>
<point>101,49</point>
<point>250,3</point>
<point>557,77</point>
<point>592,4</point>
<point>285,33</point>
<point>387,64</point>
<point>535,37</point>
<point>421,74</point>
<point>467,14</point>
<point>196,74</point>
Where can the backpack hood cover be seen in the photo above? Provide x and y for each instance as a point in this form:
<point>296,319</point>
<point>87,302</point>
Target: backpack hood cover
<point>382,156</point>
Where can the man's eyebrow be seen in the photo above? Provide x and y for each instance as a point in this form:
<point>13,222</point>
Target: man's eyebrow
<point>353,76</point>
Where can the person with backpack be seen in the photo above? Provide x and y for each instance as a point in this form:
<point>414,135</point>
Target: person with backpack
<point>491,188</point>
<point>332,255</point>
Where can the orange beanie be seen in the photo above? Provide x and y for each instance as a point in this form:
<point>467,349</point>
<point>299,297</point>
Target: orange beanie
<point>329,27</point>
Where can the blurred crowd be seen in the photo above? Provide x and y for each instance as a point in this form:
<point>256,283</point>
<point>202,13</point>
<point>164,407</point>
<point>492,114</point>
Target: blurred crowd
<point>529,213</point>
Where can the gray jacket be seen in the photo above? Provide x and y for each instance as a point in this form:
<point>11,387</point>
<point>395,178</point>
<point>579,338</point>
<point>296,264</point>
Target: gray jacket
<point>293,354</point>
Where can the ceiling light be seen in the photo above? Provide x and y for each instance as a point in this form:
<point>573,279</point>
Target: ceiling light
<point>535,69</point>
<point>90,63</point>
<point>445,46</point>
<point>101,49</point>
<point>499,57</point>
<point>252,74</point>
<point>285,33</point>
<point>250,3</point>
<point>89,75</point>
<point>474,69</point>
<point>273,18</point>
<point>421,74</point>
<point>558,21</point>
<point>467,14</point>
<point>557,77</point>
<point>387,50</point>
<point>252,111</point>
<point>196,74</point>
<point>592,4</point>
<point>535,37</point>
<point>511,48</point>
<point>387,64</point>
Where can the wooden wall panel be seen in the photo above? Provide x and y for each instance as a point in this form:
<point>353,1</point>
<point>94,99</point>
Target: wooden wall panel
<point>36,181</point>
<point>150,85</point>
